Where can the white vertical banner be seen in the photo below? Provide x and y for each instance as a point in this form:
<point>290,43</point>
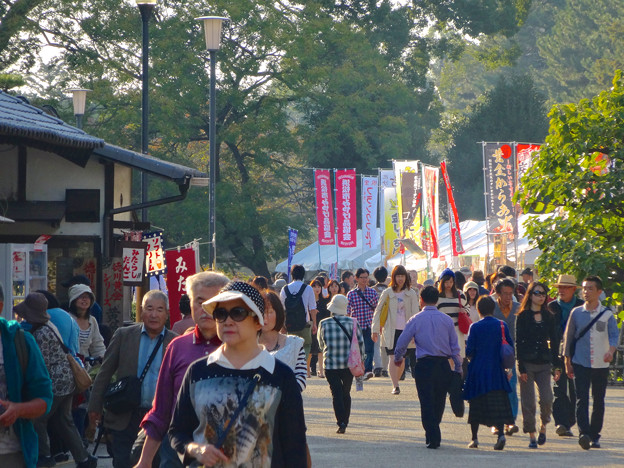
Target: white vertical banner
<point>370,195</point>
<point>387,178</point>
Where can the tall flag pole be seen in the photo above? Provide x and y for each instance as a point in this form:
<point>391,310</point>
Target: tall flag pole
<point>454,229</point>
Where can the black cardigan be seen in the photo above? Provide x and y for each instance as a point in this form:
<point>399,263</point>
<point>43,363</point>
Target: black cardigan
<point>532,339</point>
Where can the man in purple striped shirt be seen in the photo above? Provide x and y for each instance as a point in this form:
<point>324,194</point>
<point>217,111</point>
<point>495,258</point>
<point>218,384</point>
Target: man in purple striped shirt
<point>436,344</point>
<point>362,303</point>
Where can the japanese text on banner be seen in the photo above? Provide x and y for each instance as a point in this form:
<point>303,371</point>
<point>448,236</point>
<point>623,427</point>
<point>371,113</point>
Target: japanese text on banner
<point>346,208</point>
<point>370,195</point>
<point>324,207</point>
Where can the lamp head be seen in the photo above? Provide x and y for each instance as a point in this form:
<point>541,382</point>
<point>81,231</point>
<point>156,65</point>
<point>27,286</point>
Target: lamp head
<point>212,30</point>
<point>79,97</point>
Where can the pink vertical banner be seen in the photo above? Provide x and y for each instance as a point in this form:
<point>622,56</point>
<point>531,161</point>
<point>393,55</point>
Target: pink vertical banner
<point>346,208</point>
<point>370,195</point>
<point>324,214</point>
<point>180,265</point>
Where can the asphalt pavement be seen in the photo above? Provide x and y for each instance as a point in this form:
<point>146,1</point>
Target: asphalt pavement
<point>385,431</point>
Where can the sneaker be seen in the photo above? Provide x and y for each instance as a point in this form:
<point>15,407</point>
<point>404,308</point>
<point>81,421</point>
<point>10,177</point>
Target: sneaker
<point>61,457</point>
<point>562,431</point>
<point>384,373</point>
<point>584,441</point>
<point>500,443</point>
<point>368,375</point>
<point>396,391</point>
<point>377,372</point>
<point>46,461</point>
<point>532,443</point>
<point>595,443</point>
<point>341,429</point>
<point>90,462</point>
<point>474,444</point>
<point>511,430</point>
<point>541,438</point>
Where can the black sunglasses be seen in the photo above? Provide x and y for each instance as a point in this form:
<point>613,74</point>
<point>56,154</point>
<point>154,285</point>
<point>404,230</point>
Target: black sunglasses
<point>238,314</point>
<point>539,293</point>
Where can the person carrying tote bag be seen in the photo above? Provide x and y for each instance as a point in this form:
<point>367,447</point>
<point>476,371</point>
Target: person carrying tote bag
<point>336,343</point>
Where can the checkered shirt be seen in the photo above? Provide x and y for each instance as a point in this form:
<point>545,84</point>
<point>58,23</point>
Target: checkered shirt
<point>334,342</point>
<point>359,309</point>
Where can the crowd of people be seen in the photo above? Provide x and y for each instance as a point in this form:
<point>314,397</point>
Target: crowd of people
<point>224,386</point>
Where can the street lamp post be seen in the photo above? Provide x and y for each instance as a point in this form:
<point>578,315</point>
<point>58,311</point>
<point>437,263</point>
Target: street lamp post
<point>212,31</point>
<point>79,98</point>
<point>146,7</point>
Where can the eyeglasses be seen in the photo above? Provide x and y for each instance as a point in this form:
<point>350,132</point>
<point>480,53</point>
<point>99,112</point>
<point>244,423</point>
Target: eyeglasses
<point>238,314</point>
<point>539,293</point>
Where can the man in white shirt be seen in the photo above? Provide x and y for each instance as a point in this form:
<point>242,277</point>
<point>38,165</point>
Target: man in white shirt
<point>298,299</point>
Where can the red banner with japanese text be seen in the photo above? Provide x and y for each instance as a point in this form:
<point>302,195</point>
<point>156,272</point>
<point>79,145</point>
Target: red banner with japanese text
<point>154,261</point>
<point>180,265</point>
<point>456,240</point>
<point>525,152</point>
<point>346,208</point>
<point>500,181</point>
<point>430,210</point>
<point>324,207</point>
<point>112,293</point>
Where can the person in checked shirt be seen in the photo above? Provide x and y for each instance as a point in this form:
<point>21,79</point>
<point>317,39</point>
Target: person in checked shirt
<point>334,335</point>
<point>362,303</point>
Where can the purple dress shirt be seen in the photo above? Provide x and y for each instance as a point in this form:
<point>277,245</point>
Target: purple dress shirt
<point>434,335</point>
<point>180,353</point>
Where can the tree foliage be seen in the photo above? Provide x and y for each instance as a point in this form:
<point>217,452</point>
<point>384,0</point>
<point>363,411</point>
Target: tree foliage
<point>315,83</point>
<point>581,191</point>
<point>513,111</point>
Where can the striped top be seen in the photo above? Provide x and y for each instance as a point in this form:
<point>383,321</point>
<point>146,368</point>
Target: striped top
<point>450,307</point>
<point>293,355</point>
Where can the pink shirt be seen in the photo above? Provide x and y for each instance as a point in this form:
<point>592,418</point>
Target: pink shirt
<point>180,353</point>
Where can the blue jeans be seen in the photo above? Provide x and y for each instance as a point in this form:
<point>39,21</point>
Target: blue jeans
<point>168,456</point>
<point>513,395</point>
<point>369,349</point>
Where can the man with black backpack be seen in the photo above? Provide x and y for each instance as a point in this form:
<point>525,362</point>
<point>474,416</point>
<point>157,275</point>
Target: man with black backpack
<point>300,305</point>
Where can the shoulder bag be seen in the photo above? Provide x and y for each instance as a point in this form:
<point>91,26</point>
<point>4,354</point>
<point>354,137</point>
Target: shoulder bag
<point>124,395</point>
<point>82,379</point>
<point>463,319</point>
<point>584,331</point>
<point>507,354</point>
<point>356,366</point>
<point>383,316</point>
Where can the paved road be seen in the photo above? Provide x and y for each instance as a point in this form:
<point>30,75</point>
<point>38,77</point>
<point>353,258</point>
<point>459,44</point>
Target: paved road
<point>385,431</point>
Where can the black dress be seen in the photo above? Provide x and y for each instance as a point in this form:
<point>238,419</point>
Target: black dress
<point>323,313</point>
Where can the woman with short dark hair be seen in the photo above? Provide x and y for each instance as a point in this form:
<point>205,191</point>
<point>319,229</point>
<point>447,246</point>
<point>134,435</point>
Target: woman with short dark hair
<point>286,348</point>
<point>487,383</point>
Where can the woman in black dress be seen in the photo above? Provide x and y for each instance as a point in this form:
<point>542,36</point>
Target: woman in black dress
<point>321,307</point>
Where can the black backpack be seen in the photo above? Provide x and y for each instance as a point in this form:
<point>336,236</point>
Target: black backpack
<point>295,310</point>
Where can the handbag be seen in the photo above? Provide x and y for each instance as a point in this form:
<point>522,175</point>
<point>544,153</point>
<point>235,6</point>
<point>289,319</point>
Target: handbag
<point>356,366</point>
<point>383,316</point>
<point>124,395</point>
<point>463,319</point>
<point>507,354</point>
<point>82,379</point>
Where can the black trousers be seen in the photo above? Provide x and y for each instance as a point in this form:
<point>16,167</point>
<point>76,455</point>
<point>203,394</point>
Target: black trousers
<point>433,379</point>
<point>564,404</point>
<point>584,377</point>
<point>340,381</point>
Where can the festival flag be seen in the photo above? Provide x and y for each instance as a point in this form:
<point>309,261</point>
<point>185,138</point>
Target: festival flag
<point>181,264</point>
<point>346,208</point>
<point>133,259</point>
<point>403,171</point>
<point>525,152</point>
<point>292,244</point>
<point>370,195</point>
<point>430,209</point>
<point>324,208</point>
<point>387,178</point>
<point>499,178</point>
<point>456,240</point>
<point>155,258</point>
<point>391,244</point>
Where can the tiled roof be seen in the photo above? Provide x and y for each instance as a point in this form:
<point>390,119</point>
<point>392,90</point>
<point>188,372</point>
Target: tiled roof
<point>23,121</point>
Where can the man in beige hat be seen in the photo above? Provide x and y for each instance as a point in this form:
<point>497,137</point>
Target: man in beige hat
<point>564,404</point>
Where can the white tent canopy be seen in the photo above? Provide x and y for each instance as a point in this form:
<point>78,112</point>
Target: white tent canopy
<point>474,237</point>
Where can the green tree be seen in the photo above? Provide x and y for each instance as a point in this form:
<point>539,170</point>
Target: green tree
<point>581,191</point>
<point>513,111</point>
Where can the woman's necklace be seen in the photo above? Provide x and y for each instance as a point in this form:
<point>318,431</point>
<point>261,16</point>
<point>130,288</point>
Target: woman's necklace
<point>277,345</point>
